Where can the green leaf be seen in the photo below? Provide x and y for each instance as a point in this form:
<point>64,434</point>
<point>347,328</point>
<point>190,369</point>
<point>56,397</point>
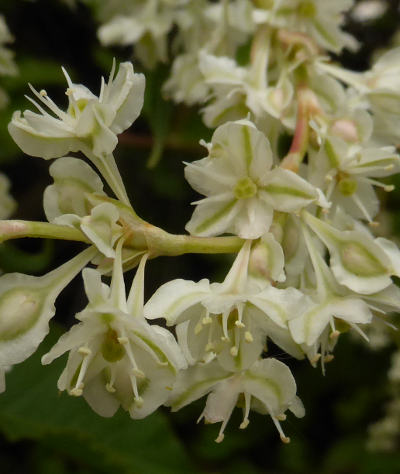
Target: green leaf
<point>32,409</point>
<point>13,259</point>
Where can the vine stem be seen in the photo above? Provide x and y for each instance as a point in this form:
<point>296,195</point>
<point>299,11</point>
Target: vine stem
<point>143,236</point>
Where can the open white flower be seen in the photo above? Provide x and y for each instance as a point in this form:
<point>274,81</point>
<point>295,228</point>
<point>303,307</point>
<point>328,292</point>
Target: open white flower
<point>90,124</point>
<point>241,188</point>
<point>321,19</point>
<point>229,320</point>
<point>267,387</point>
<point>116,358</point>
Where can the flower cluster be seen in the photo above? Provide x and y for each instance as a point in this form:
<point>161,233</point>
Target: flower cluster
<point>308,266</point>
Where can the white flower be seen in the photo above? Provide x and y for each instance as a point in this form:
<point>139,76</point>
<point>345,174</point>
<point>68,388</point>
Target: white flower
<point>145,25</point>
<point>228,320</point>
<point>116,358</point>
<point>90,124</point>
<point>27,305</point>
<point>74,181</point>
<point>359,262</point>
<point>267,387</point>
<point>321,19</point>
<point>347,171</point>
<point>241,188</point>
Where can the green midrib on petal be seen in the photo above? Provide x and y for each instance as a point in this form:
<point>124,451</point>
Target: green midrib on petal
<point>215,218</point>
<point>247,147</point>
<point>286,190</point>
<point>180,401</point>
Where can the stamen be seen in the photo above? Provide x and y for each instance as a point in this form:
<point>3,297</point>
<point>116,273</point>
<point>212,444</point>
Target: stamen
<point>284,438</point>
<point>248,337</point>
<point>206,320</point>
<point>360,331</point>
<point>386,187</point>
<point>209,346</point>
<point>40,108</point>
<point>374,224</point>
<point>84,351</point>
<point>239,322</point>
<point>123,340</point>
<point>246,411</point>
<point>281,417</point>
<point>328,358</point>
<point>225,318</point>
<point>77,390</point>
<point>134,387</point>
<point>361,206</point>
<point>314,360</point>
<point>110,385</point>
<point>234,351</point>
<point>49,103</point>
<point>198,328</point>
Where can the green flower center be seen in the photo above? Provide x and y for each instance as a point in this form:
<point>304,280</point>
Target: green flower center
<point>307,9</point>
<point>347,186</point>
<point>245,188</point>
<point>111,349</point>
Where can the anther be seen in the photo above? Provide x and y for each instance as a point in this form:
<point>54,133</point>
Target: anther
<point>220,438</point>
<point>110,388</point>
<point>389,188</point>
<point>224,339</point>
<point>43,93</point>
<point>206,320</point>
<point>281,417</point>
<point>209,347</point>
<point>139,402</point>
<point>76,392</point>
<point>123,340</point>
<point>248,336</point>
<point>244,424</point>
<point>84,351</point>
<point>234,351</point>
<point>334,334</point>
<point>285,439</point>
<point>373,224</point>
<point>138,373</point>
<point>239,324</point>
<point>329,358</point>
<point>315,359</point>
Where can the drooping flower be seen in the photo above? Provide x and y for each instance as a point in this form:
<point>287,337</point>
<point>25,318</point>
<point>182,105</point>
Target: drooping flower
<point>115,357</point>
<point>229,320</point>
<point>267,387</point>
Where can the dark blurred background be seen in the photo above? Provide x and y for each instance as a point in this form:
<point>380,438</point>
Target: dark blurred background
<point>42,432</point>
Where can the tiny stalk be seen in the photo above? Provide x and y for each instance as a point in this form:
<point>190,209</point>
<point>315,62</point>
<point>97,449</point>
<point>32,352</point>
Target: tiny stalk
<point>307,106</point>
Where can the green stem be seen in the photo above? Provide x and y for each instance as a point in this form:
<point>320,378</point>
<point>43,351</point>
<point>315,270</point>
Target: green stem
<point>140,236</point>
<point>17,229</point>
